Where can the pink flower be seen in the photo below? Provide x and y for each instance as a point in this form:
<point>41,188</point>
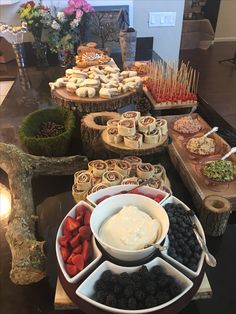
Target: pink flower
<point>87,7</point>
<point>69,11</point>
<point>79,13</point>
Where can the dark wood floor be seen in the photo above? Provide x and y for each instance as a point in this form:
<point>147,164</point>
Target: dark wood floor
<point>217,83</point>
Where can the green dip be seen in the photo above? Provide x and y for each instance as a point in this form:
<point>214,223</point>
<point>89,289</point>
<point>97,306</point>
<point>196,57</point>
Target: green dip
<point>220,170</point>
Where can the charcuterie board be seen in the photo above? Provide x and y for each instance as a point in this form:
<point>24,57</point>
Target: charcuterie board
<point>190,165</point>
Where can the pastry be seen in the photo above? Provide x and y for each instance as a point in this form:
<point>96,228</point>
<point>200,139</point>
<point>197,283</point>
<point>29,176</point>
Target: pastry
<point>112,177</point>
<point>97,167</point>
<point>76,174</point>
<point>158,171</point>
<point>112,122</point>
<point>96,180</point>
<point>108,92</point>
<point>152,137</point>
<point>113,136</point>
<point>135,141</point>
<point>98,187</point>
<point>84,92</point>
<point>77,194</point>
<point>131,115</point>
<point>111,163</point>
<point>146,124</point>
<point>133,160</point>
<point>162,124</point>
<point>131,180</point>
<point>126,127</point>
<point>71,87</point>
<point>84,181</point>
<point>90,83</point>
<point>145,171</point>
<point>123,167</point>
<point>155,183</point>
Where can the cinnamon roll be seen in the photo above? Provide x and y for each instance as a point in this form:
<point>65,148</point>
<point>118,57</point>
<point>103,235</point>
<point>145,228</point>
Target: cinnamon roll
<point>111,163</point>
<point>98,187</point>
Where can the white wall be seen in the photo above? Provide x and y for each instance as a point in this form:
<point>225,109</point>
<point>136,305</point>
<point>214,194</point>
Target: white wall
<point>166,39</point>
<point>226,24</point>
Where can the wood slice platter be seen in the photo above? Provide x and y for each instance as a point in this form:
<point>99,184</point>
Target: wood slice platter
<point>97,104</point>
<point>145,149</point>
<point>189,165</point>
<point>158,106</point>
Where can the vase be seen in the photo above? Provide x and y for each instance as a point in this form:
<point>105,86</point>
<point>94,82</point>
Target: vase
<point>41,54</point>
<point>128,45</point>
<point>66,58</point>
<point>20,54</point>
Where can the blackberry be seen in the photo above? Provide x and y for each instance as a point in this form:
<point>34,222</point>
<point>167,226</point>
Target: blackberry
<point>174,289</point>
<point>100,285</point>
<point>122,303</point>
<point>139,295</point>
<point>151,287</point>
<point>162,297</point>
<point>150,301</point>
<point>111,300</point>
<point>106,276</point>
<point>100,296</point>
<point>132,303</point>
<point>128,291</point>
<point>117,289</point>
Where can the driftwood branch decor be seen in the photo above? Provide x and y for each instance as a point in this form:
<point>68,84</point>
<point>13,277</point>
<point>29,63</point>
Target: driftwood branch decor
<point>28,258</point>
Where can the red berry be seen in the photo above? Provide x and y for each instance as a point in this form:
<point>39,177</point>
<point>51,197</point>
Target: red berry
<point>64,253</point>
<point>85,232</point>
<point>81,210</point>
<point>87,217</point>
<point>70,225</point>
<point>78,249</point>
<point>64,240</point>
<point>87,250</point>
<point>71,270</point>
<point>78,261</point>
<point>74,242</point>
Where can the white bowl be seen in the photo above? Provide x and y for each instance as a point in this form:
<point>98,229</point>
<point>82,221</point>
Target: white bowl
<point>114,204</point>
<point>86,289</point>
<point>187,271</point>
<point>96,253</point>
<point>112,190</point>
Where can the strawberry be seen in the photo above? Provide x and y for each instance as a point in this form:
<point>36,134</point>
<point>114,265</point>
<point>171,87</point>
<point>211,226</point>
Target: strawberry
<point>87,250</point>
<point>64,253</point>
<point>74,242</point>
<point>102,199</point>
<point>71,270</point>
<point>81,210</point>
<point>87,217</point>
<point>78,261</point>
<point>85,232</point>
<point>69,260</point>
<point>158,198</point>
<point>70,225</point>
<point>80,220</point>
<point>78,249</point>
<point>64,240</point>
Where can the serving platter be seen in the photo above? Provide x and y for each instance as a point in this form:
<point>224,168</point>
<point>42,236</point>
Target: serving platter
<point>159,106</point>
<point>190,165</point>
<point>173,307</point>
<point>145,149</point>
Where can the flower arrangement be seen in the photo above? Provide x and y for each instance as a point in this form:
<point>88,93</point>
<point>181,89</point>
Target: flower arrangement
<point>36,16</point>
<point>64,30</point>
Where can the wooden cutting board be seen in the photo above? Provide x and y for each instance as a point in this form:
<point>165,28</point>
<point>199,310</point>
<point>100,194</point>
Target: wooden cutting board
<point>189,165</point>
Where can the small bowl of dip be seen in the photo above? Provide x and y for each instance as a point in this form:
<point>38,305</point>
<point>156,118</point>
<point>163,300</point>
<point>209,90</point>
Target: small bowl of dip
<point>127,225</point>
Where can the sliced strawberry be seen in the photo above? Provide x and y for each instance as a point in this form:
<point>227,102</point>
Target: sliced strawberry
<point>81,210</point>
<point>87,217</point>
<point>78,249</point>
<point>69,260</point>
<point>87,250</point>
<point>78,261</point>
<point>64,253</point>
<point>70,224</point>
<point>102,199</point>
<point>74,242</point>
<point>80,219</point>
<point>64,240</point>
<point>85,232</point>
<point>71,270</point>
<point>158,198</point>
